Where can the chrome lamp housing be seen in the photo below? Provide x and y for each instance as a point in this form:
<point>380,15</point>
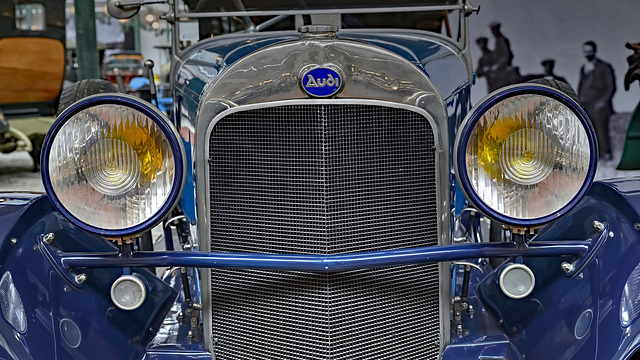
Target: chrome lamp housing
<point>525,155</point>
<point>113,165</point>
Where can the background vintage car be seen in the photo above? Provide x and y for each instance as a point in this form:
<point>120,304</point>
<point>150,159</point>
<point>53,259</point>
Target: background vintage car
<point>33,81</point>
<point>126,63</point>
<point>325,190</point>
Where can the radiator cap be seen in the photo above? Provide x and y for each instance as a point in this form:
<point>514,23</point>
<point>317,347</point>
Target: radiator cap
<point>327,31</point>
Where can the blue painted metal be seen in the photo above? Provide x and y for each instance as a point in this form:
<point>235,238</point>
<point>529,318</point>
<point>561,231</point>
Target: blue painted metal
<point>594,247</point>
<point>203,62</point>
<point>168,345</point>
<point>153,114</point>
<point>550,323</point>
<point>176,352</point>
<point>544,324</point>
<point>487,348</point>
<point>477,113</point>
<point>50,302</point>
<point>330,263</point>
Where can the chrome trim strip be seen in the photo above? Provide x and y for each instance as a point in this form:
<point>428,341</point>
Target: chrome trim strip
<point>320,11</point>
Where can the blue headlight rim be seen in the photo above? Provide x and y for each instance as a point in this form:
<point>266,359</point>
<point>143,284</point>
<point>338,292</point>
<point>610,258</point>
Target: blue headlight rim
<point>476,114</point>
<point>146,109</point>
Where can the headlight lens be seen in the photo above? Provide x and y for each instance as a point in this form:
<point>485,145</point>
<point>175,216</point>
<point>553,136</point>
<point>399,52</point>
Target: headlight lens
<point>630,299</point>
<point>11,304</point>
<point>113,164</point>
<point>525,155</point>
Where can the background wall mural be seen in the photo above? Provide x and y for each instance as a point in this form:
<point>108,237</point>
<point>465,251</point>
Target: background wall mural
<point>583,43</point>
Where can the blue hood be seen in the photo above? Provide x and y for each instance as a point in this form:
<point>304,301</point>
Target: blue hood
<point>436,56</point>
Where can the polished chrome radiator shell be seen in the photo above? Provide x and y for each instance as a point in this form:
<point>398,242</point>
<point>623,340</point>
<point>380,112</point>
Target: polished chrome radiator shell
<point>318,178</point>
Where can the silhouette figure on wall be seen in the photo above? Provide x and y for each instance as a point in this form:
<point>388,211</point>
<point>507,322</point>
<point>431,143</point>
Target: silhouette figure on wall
<point>485,63</point>
<point>595,91</point>
<point>547,65</point>
<point>504,73</point>
<point>496,65</point>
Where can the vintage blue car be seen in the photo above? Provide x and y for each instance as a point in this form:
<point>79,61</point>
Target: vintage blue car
<point>325,191</point>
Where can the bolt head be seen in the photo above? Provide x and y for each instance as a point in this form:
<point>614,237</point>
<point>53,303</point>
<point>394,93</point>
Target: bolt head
<point>14,240</point>
<point>566,267</point>
<point>598,225</point>
<point>48,238</point>
<point>80,278</point>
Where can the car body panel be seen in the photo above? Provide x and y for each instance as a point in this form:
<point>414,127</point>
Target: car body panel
<point>541,325</point>
<point>577,317</point>
<point>57,309</point>
<point>584,262</point>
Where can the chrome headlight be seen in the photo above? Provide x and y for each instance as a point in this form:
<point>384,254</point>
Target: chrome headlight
<point>113,164</point>
<point>525,155</point>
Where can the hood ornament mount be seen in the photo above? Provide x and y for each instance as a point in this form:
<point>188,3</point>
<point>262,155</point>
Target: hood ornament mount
<point>318,31</point>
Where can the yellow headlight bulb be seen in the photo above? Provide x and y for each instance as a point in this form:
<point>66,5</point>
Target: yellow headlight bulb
<point>112,167</point>
<point>527,156</point>
<point>128,153</point>
<point>493,130</point>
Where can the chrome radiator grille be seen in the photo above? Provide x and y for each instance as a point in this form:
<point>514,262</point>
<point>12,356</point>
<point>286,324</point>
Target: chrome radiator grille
<point>324,179</point>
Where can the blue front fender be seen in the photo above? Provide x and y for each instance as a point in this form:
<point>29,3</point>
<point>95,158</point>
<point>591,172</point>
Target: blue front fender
<point>66,320</point>
<point>576,315</point>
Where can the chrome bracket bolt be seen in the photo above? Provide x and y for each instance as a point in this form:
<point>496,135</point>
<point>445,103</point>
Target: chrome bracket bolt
<point>80,278</point>
<point>14,240</point>
<point>48,238</point>
<point>566,267</point>
<point>636,226</point>
<point>598,225</point>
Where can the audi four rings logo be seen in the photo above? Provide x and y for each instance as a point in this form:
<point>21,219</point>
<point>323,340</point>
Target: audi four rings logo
<point>321,82</point>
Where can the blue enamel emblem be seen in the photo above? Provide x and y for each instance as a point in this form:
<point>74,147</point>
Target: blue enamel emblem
<point>321,82</point>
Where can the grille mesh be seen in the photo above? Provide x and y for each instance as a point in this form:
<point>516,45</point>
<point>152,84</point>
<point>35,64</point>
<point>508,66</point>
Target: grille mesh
<point>324,179</point>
